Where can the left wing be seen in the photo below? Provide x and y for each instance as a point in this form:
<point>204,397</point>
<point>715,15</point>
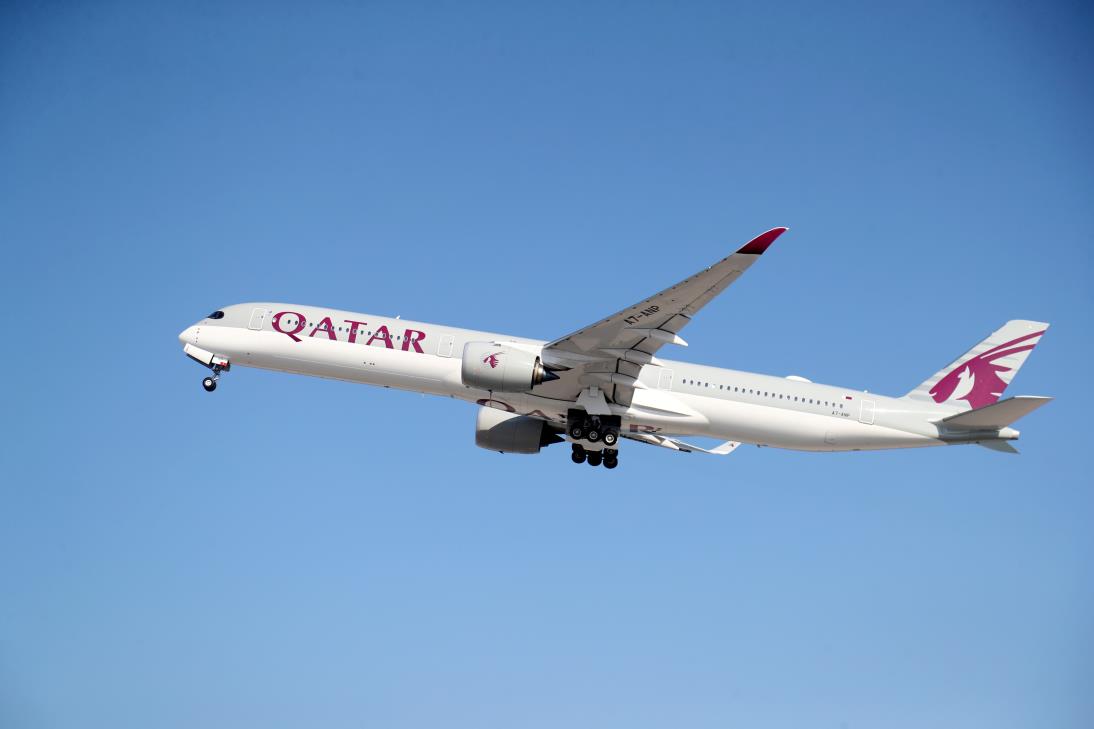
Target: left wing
<point>678,445</point>
<point>611,352</point>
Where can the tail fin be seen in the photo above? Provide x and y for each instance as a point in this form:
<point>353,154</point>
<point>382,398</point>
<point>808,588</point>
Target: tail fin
<point>979,377</point>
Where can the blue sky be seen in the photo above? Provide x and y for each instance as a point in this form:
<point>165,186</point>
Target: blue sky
<point>292,552</point>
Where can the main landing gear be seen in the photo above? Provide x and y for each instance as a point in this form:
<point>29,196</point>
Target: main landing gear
<point>593,428</point>
<point>609,457</point>
<point>600,432</point>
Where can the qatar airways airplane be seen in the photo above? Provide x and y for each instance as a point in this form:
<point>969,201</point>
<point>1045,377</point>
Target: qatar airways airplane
<point>607,381</point>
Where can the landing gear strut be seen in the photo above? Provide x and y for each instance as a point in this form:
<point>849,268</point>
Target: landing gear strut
<point>210,383</point>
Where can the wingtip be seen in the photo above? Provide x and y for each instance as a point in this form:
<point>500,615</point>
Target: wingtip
<point>760,243</point>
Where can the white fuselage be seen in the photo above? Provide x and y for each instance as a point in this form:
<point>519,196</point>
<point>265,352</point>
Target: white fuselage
<point>673,398</point>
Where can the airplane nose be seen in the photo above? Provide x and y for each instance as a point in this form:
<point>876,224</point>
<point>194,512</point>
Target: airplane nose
<point>186,336</point>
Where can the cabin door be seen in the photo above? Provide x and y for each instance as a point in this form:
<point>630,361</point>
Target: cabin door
<point>664,380</point>
<point>866,415</point>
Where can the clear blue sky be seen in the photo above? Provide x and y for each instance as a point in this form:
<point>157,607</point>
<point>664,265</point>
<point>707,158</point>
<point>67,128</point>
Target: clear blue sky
<point>295,552</point>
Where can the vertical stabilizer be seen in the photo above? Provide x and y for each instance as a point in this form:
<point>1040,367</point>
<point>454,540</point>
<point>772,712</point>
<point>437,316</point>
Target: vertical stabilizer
<point>979,377</point>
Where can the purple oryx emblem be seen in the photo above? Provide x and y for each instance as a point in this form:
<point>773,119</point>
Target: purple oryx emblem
<point>977,379</point>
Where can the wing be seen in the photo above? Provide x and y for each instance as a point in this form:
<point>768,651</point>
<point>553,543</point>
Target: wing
<point>611,352</point>
<point>678,445</point>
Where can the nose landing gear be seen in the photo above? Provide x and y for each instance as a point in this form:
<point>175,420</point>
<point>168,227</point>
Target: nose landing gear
<point>210,383</point>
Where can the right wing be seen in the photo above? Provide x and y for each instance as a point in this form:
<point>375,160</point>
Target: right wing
<point>611,352</point>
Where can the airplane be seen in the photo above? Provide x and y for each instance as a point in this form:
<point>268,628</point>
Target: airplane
<point>607,382</point>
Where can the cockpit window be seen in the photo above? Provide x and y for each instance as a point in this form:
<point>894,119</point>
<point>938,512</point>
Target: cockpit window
<point>216,315</point>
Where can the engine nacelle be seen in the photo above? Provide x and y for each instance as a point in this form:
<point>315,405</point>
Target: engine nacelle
<point>498,368</point>
<point>505,432</point>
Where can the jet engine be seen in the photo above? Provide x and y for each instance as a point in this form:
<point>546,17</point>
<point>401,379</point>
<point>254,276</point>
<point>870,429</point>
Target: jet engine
<point>505,432</point>
<point>498,368</point>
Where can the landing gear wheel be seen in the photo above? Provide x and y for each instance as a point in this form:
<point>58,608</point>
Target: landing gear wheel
<point>578,455</point>
<point>577,432</point>
<point>593,435</point>
<point>594,458</point>
<point>611,462</point>
<point>610,438</point>
<point>209,384</point>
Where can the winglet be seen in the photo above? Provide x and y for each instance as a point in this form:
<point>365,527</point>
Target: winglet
<point>759,244</point>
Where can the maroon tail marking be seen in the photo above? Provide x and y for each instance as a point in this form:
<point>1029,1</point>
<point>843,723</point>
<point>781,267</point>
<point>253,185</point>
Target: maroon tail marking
<point>987,385</point>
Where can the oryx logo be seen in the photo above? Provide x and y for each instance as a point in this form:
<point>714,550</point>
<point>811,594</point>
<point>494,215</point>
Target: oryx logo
<point>978,380</point>
<point>492,360</point>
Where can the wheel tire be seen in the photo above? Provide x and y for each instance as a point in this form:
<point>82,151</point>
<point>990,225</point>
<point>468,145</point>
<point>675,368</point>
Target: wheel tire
<point>209,384</point>
<point>593,435</point>
<point>610,463</point>
<point>595,459</point>
<point>577,432</point>
<point>610,438</point>
<point>578,456</point>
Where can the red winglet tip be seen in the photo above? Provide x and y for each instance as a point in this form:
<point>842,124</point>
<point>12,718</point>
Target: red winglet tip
<point>759,244</point>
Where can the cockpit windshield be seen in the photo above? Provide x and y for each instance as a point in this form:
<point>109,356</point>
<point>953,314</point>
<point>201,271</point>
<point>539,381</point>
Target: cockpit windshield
<point>218,314</point>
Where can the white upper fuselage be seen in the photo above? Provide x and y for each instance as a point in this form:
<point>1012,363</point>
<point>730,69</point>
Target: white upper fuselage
<point>673,398</point>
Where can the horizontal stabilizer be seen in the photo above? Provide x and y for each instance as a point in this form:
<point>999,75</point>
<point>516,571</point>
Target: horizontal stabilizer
<point>998,445</point>
<point>997,415</point>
